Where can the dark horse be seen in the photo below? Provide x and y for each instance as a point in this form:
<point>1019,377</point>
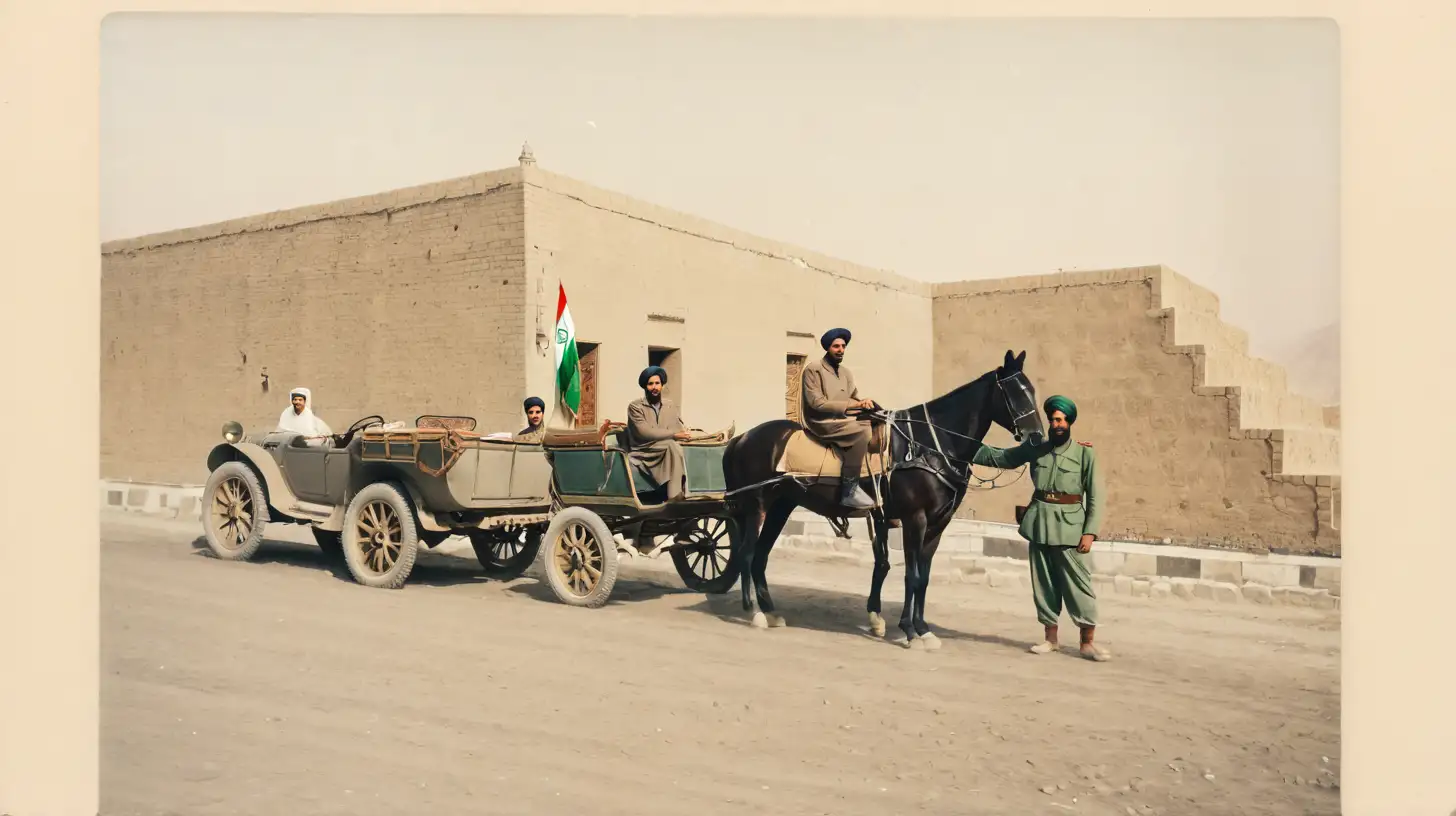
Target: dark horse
<point>929,471</point>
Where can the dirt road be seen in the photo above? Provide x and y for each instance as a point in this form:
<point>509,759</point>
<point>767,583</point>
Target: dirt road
<point>280,687</point>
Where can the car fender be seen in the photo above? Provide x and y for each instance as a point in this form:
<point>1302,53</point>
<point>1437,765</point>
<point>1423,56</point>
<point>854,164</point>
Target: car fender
<point>279,494</point>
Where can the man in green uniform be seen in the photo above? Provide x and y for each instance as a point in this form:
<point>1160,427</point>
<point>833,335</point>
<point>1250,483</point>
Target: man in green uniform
<point>1060,524</point>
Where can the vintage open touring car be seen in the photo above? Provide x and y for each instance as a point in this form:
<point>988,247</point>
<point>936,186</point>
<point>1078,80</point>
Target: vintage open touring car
<point>375,493</point>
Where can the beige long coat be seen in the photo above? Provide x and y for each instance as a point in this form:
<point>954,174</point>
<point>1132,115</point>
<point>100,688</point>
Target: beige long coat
<point>649,434</point>
<point>826,396</point>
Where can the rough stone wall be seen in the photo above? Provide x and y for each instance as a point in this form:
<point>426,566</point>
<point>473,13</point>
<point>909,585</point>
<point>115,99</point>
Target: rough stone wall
<point>638,275</point>
<point>1178,462</point>
<point>398,304</point>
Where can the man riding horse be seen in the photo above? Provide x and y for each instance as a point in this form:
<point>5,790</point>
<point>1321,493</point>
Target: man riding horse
<point>833,415</point>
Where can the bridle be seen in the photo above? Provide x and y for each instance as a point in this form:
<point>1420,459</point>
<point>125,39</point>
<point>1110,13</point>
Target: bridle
<point>961,468</point>
<point>1019,378</point>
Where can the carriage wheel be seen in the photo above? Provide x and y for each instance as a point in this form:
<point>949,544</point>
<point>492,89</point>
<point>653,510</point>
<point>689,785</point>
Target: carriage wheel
<point>381,539</point>
<point>237,512</point>
<point>704,557</point>
<point>580,558</point>
<point>506,553</point>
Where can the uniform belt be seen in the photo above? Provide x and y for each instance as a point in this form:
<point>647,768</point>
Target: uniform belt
<point>1057,498</point>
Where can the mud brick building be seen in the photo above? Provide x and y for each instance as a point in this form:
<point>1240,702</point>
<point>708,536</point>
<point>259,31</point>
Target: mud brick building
<point>441,299</point>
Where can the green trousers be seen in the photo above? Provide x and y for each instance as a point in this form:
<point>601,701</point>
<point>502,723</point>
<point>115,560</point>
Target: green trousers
<point>1059,576</point>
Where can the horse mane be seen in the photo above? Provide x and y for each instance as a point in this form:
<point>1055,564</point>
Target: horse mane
<point>956,392</point>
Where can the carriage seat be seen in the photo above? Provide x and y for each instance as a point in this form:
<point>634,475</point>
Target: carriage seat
<point>808,458</point>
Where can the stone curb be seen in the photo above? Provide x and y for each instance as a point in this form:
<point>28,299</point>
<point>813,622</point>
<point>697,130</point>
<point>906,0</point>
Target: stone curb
<point>971,552</point>
<point>160,500</point>
<point>970,541</point>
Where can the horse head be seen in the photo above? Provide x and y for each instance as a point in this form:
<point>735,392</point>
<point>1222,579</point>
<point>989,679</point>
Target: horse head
<point>1016,410</point>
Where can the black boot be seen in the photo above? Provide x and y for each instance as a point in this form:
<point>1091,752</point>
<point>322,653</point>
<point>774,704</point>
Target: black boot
<point>852,497</point>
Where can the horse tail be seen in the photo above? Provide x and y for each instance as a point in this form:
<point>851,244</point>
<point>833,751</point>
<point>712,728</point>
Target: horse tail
<point>728,472</point>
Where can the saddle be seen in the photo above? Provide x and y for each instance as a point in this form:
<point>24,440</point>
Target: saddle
<point>807,458</point>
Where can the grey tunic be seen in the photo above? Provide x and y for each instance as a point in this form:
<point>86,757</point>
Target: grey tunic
<point>649,434</point>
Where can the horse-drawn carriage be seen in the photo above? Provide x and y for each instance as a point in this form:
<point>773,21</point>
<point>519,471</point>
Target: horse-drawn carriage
<point>375,493</point>
<point>598,497</point>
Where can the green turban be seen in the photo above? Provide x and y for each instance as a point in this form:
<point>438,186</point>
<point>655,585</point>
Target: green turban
<point>1058,402</point>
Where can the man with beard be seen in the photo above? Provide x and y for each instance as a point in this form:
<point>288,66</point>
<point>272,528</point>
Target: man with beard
<point>829,395</point>
<point>1060,524</point>
<point>535,422</point>
<point>654,429</point>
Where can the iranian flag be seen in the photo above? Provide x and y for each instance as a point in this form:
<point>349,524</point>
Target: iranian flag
<point>568,364</point>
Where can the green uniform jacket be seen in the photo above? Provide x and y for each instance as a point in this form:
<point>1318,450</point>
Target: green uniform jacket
<point>1072,468</point>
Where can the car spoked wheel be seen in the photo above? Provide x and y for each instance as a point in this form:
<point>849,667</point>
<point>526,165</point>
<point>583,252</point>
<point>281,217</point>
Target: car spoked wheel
<point>580,562</point>
<point>237,512</point>
<point>505,553</point>
<point>381,538</point>
<point>704,556</point>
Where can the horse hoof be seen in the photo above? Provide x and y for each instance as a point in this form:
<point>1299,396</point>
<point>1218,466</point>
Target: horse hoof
<point>916,645</point>
<point>777,622</point>
<point>877,625</point>
<point>930,640</point>
<point>759,621</point>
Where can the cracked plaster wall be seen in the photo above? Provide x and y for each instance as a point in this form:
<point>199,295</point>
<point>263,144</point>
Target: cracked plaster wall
<point>734,300</point>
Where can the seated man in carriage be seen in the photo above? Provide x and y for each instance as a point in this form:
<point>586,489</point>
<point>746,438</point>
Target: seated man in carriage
<point>654,431</point>
<point>535,422</point>
<point>831,401</point>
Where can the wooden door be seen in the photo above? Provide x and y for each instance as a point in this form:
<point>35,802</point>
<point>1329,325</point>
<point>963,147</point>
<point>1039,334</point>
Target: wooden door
<point>587,418</point>
<point>793,384</point>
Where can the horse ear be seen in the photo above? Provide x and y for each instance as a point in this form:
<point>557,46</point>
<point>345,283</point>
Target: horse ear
<point>1009,360</point>
<point>1020,358</point>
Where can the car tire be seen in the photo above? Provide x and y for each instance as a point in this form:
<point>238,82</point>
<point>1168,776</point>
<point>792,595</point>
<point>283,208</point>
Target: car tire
<point>576,543</point>
<point>235,512</point>
<point>381,538</point>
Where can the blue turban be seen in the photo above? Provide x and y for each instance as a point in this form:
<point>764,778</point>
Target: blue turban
<point>536,401</point>
<point>1058,402</point>
<point>647,375</point>
<point>832,335</point>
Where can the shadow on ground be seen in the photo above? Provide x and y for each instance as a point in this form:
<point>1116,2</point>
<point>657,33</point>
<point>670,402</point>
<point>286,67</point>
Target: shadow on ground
<point>835,612</point>
<point>431,568</point>
<point>812,608</point>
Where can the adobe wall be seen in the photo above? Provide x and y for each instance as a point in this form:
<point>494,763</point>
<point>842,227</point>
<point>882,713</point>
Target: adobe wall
<point>1177,462</point>
<point>638,275</point>
<point>401,303</point>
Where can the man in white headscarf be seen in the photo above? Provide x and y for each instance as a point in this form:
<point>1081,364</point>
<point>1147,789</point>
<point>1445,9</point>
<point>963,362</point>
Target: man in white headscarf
<point>299,417</point>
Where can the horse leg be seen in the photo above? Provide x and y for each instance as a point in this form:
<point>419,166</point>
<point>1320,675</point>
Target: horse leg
<point>927,554</point>
<point>748,525</point>
<point>773,524</point>
<point>912,532</point>
<point>880,538</point>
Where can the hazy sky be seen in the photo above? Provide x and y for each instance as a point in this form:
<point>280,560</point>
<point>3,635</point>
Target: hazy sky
<point>942,150</point>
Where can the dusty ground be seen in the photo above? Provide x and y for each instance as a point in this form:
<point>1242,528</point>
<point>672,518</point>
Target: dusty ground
<point>280,687</point>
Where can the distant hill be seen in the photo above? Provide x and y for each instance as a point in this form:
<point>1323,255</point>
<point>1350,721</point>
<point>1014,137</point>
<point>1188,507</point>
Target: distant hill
<point>1313,363</point>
